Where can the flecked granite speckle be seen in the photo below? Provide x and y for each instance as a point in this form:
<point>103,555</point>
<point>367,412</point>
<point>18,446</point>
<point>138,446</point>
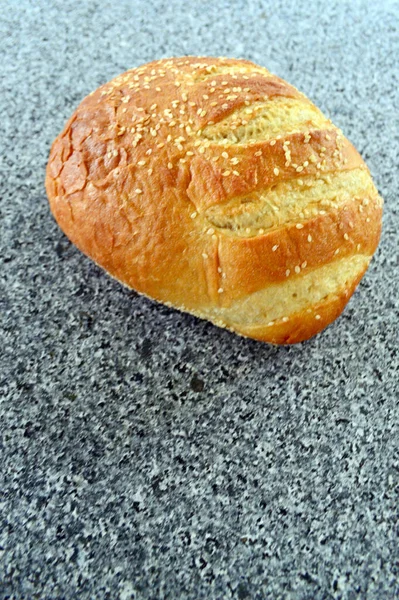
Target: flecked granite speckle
<point>144,453</point>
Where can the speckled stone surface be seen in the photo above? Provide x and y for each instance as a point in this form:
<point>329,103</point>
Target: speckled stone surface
<point>146,454</point>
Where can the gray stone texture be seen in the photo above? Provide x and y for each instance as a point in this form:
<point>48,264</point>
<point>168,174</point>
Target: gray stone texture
<point>147,454</point>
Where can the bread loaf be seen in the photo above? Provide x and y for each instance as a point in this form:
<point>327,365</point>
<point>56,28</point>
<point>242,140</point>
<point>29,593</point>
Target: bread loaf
<point>217,188</point>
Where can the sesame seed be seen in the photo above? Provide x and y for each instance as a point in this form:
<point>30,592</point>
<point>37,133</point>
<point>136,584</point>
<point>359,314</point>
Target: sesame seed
<point>235,160</point>
<point>189,153</point>
<point>150,171</point>
<point>299,226</point>
<point>275,248</point>
<point>226,173</point>
<point>236,173</point>
<point>276,171</point>
<point>193,215</point>
<point>261,231</point>
<point>299,169</point>
<point>318,317</point>
<point>259,153</point>
<point>297,269</point>
<point>225,155</point>
<point>141,163</point>
<point>309,238</point>
<point>336,252</point>
<point>346,236</point>
<point>272,143</point>
<point>204,255</point>
<point>201,150</point>
<point>170,166</point>
<point>287,272</point>
<point>210,231</point>
<point>220,291</point>
<point>270,323</point>
<point>304,264</point>
<point>284,319</point>
<point>138,191</point>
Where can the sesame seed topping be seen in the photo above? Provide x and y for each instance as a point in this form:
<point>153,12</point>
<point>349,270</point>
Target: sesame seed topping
<point>297,269</point>
<point>236,173</point>
<point>170,166</point>
<point>309,238</point>
<point>150,171</point>
<point>259,153</point>
<point>210,231</point>
<point>220,291</point>
<point>225,155</point>
<point>204,255</point>
<point>299,226</point>
<point>275,248</point>
<point>138,191</point>
<point>276,171</point>
<point>193,215</point>
<point>284,319</point>
<point>272,143</point>
<point>346,236</point>
<point>287,272</point>
<point>304,264</point>
<point>141,163</point>
<point>318,317</point>
<point>226,173</point>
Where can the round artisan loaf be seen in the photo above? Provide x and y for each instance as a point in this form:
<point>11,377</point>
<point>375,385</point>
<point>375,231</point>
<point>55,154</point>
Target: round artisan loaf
<point>213,186</point>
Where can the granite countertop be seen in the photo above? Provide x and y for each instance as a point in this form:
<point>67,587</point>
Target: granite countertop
<point>145,453</point>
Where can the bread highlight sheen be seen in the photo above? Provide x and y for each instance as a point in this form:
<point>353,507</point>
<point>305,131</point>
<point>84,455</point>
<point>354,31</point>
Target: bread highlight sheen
<point>213,186</point>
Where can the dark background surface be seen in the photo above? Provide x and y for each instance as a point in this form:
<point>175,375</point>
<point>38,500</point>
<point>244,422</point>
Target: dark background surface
<point>145,453</point>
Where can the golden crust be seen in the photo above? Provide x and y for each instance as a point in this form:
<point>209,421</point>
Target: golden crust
<point>142,161</point>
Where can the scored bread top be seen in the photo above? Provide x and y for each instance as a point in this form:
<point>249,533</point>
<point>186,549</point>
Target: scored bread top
<point>214,186</point>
